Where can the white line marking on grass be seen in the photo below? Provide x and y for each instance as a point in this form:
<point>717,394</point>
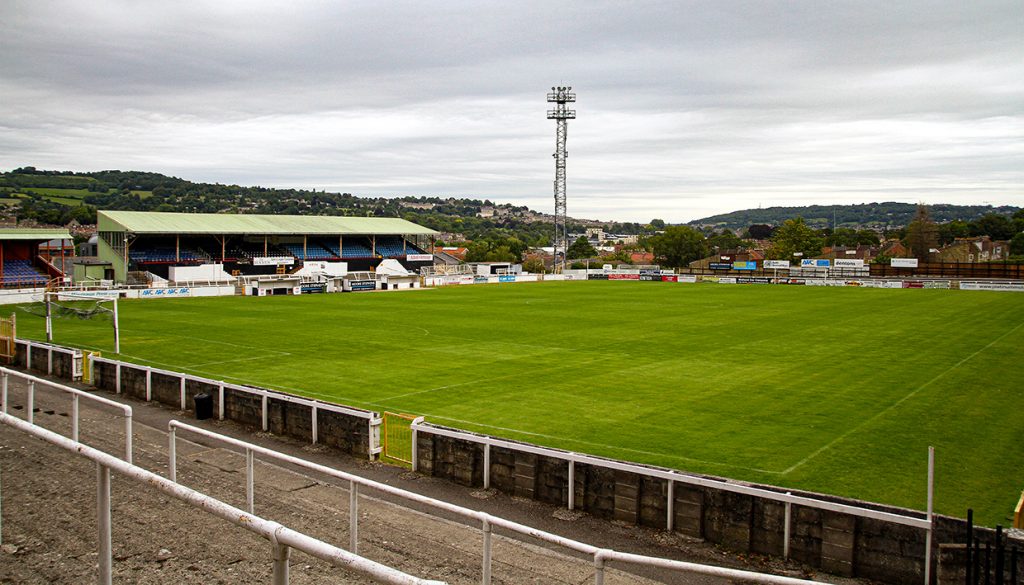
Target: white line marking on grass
<point>246,359</point>
<point>914,392</point>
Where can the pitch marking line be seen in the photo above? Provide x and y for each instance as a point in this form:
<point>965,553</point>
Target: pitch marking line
<point>913,393</point>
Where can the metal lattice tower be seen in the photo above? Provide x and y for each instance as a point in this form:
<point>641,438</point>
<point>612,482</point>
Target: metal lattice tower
<point>560,96</point>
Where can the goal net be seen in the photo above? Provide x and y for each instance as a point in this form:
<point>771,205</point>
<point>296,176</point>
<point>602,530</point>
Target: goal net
<point>52,305</point>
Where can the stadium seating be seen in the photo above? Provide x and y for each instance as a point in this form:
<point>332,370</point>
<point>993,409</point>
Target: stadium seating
<point>313,251</point>
<point>356,248</point>
<point>22,273</point>
<point>163,255</point>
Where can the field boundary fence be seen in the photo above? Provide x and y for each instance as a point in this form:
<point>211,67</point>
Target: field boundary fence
<point>483,450</point>
<point>267,408</point>
<point>65,362</point>
<point>281,538</point>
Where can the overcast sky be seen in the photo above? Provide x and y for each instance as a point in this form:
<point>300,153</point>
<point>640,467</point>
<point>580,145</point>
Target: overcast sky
<point>685,109</point>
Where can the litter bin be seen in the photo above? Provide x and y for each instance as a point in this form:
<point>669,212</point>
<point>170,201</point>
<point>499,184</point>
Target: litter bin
<point>204,406</point>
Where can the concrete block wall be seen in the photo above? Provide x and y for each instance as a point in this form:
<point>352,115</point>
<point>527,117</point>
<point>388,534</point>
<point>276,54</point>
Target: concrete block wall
<point>345,432</point>
<point>63,365</point>
<point>836,543</point>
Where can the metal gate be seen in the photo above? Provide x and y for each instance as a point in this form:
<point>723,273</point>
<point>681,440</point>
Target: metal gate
<point>7,333</point>
<point>397,441</point>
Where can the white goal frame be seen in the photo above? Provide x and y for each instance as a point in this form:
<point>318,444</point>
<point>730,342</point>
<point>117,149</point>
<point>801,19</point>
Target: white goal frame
<point>48,297</point>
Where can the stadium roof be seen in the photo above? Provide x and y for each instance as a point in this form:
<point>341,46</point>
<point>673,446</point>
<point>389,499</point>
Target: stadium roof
<point>144,222</point>
<point>40,234</point>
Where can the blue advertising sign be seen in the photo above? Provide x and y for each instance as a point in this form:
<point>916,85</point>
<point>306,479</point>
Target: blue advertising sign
<point>751,265</point>
<point>507,278</point>
<point>816,262</point>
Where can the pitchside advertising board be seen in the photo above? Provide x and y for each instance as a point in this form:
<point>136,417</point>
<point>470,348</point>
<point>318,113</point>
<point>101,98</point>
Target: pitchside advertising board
<point>751,265</point>
<point>776,264</point>
<point>849,263</point>
<point>815,263</point>
<point>419,257</point>
<point>903,263</point>
<point>720,266</point>
<point>1004,286</point>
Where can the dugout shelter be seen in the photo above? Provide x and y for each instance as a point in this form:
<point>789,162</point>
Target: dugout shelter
<point>30,258</point>
<point>253,245</point>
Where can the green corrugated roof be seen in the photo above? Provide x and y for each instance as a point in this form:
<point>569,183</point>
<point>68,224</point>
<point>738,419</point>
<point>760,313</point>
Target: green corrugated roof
<point>143,222</point>
<point>34,234</point>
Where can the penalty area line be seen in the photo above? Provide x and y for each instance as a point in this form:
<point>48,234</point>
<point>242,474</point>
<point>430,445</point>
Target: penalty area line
<point>892,406</point>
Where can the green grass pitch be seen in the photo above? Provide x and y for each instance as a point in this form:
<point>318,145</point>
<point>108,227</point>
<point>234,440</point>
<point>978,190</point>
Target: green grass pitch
<point>837,390</point>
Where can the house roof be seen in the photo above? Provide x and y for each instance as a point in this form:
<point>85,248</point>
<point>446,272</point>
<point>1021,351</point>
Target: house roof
<point>144,222</point>
<point>41,234</point>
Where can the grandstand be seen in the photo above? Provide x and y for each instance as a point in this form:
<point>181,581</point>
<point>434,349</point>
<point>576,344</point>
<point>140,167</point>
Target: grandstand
<point>29,258</point>
<point>252,245</point>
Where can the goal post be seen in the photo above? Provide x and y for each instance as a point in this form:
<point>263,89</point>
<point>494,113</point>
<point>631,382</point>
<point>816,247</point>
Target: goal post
<point>54,305</point>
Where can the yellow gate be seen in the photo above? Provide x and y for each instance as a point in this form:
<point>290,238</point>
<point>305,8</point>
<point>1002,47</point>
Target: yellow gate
<point>7,333</point>
<point>397,440</point>
<point>87,366</point>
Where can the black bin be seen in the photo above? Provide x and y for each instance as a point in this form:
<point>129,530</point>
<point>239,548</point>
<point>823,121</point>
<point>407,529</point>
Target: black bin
<point>204,406</point>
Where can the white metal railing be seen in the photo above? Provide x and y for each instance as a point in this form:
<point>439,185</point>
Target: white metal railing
<point>76,395</point>
<point>601,556</point>
<point>673,477</point>
<point>373,419</point>
<point>282,539</point>
<point>50,349</point>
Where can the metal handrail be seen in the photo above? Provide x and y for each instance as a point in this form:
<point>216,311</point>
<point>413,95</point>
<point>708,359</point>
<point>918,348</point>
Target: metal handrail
<point>282,538</point>
<point>601,556</point>
<point>76,394</point>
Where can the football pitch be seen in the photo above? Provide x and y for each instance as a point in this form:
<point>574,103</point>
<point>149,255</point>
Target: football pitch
<point>836,390</point>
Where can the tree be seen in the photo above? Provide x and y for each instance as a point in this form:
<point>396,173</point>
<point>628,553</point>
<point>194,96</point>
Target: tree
<point>534,265</point>
<point>794,235</point>
<point>952,230</point>
<point>679,246</point>
<point>581,248</point>
<point>759,231</point>
<point>922,234</point>
<point>726,240</point>
<point>1017,245</point>
<point>995,226</point>
<point>658,224</point>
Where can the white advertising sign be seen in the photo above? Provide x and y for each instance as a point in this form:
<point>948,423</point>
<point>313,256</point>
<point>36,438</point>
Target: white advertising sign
<point>903,263</point>
<point>1004,286</point>
<point>776,263</point>
<point>273,261</point>
<point>419,257</point>
<point>849,263</point>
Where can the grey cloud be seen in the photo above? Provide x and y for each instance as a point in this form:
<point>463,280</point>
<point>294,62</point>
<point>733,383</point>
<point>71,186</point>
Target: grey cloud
<point>685,107</point>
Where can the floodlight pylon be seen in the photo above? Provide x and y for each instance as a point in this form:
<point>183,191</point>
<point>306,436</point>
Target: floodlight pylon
<point>560,96</point>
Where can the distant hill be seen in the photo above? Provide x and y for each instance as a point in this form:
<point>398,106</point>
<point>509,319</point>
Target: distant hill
<point>58,197</point>
<point>889,214</point>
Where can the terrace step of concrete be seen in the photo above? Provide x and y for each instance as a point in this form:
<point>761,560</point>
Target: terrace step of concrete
<point>49,524</point>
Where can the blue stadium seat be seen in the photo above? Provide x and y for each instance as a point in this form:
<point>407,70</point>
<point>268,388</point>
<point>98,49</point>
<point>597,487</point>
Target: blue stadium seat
<point>22,273</point>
